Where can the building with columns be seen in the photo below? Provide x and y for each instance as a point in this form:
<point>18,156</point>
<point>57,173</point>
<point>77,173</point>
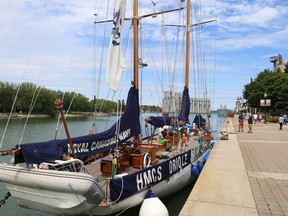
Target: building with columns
<point>172,104</point>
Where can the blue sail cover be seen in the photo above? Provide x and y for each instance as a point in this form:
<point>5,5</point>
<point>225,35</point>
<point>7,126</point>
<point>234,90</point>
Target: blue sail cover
<point>84,146</point>
<point>185,106</point>
<point>160,121</point>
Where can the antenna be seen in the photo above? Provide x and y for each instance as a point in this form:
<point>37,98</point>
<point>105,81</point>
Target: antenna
<point>274,59</point>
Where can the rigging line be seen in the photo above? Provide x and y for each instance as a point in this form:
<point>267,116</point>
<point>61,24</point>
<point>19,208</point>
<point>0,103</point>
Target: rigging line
<point>161,81</point>
<point>57,127</point>
<point>24,72</point>
<point>101,107</point>
<point>183,51</point>
<point>177,63</point>
<point>67,111</point>
<point>204,54</point>
<point>201,63</point>
<point>63,96</point>
<point>203,60</point>
<point>94,46</point>
<point>165,47</point>
<point>141,56</point>
<point>32,104</point>
<point>155,69</point>
<point>69,64</point>
<point>202,36</point>
<point>94,54</point>
<point>167,57</point>
<point>164,53</point>
<point>194,59</point>
<point>209,69</point>
<point>215,58</point>
<point>197,50</point>
<point>168,54</point>
<point>122,189</point>
<point>94,72</point>
<point>119,110</point>
<point>142,37</point>
<point>100,66</point>
<point>194,63</point>
<point>102,52</point>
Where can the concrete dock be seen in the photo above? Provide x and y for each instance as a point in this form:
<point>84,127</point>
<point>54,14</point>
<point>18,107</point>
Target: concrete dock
<point>246,175</point>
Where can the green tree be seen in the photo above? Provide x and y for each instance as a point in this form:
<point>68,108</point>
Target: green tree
<point>266,82</point>
<point>286,68</point>
<point>81,104</point>
<point>42,100</point>
<point>45,102</point>
<point>25,96</point>
<point>7,94</point>
<point>281,106</point>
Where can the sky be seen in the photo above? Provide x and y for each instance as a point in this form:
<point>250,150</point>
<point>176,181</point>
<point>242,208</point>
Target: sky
<point>55,44</point>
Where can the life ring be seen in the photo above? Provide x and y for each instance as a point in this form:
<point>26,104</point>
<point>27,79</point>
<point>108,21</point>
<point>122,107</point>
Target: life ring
<point>146,160</point>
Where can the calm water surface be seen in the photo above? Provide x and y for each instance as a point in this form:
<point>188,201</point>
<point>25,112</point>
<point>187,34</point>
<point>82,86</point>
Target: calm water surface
<point>45,129</point>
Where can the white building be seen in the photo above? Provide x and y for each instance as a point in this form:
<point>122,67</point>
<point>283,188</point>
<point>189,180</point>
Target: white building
<point>172,104</point>
<point>239,104</point>
<point>200,105</point>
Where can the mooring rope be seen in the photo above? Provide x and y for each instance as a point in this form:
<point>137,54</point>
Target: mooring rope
<point>2,202</point>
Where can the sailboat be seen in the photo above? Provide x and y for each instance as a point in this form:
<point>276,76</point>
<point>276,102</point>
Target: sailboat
<point>52,177</point>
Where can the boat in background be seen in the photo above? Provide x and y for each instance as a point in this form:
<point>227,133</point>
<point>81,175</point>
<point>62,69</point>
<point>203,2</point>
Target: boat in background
<point>51,176</point>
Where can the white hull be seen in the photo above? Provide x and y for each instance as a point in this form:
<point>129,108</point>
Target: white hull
<point>58,192</point>
<point>71,193</point>
<point>162,189</point>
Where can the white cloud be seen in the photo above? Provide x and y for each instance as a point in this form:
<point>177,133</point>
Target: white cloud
<point>57,36</point>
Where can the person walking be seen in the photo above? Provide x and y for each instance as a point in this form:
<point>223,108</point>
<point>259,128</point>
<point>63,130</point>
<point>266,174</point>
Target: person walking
<point>241,118</point>
<point>281,120</point>
<point>255,118</point>
<point>250,122</point>
<point>260,117</point>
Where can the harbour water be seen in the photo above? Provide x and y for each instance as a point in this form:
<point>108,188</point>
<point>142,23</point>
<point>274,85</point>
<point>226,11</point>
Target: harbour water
<point>41,129</point>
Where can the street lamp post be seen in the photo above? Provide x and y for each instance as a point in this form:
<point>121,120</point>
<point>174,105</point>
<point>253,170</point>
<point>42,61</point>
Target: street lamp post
<point>265,96</point>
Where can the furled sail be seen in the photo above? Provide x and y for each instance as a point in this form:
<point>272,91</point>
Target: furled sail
<point>115,60</point>
<point>199,120</point>
<point>84,146</point>
<point>185,106</point>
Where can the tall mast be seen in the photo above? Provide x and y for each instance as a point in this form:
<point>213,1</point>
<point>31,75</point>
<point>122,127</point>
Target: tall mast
<point>187,44</point>
<point>135,24</point>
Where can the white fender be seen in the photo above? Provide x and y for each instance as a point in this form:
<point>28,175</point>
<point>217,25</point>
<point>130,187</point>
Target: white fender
<point>152,206</point>
<point>146,160</point>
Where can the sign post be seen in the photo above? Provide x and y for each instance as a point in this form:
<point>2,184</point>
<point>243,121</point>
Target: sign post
<point>265,102</point>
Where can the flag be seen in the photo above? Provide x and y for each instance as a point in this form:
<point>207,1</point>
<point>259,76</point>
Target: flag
<point>115,60</point>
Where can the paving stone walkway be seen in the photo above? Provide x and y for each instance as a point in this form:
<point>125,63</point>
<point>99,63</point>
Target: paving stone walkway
<point>265,154</point>
<point>246,175</point>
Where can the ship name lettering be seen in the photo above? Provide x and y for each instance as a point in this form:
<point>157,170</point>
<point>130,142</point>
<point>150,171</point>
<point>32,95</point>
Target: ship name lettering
<point>150,176</point>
